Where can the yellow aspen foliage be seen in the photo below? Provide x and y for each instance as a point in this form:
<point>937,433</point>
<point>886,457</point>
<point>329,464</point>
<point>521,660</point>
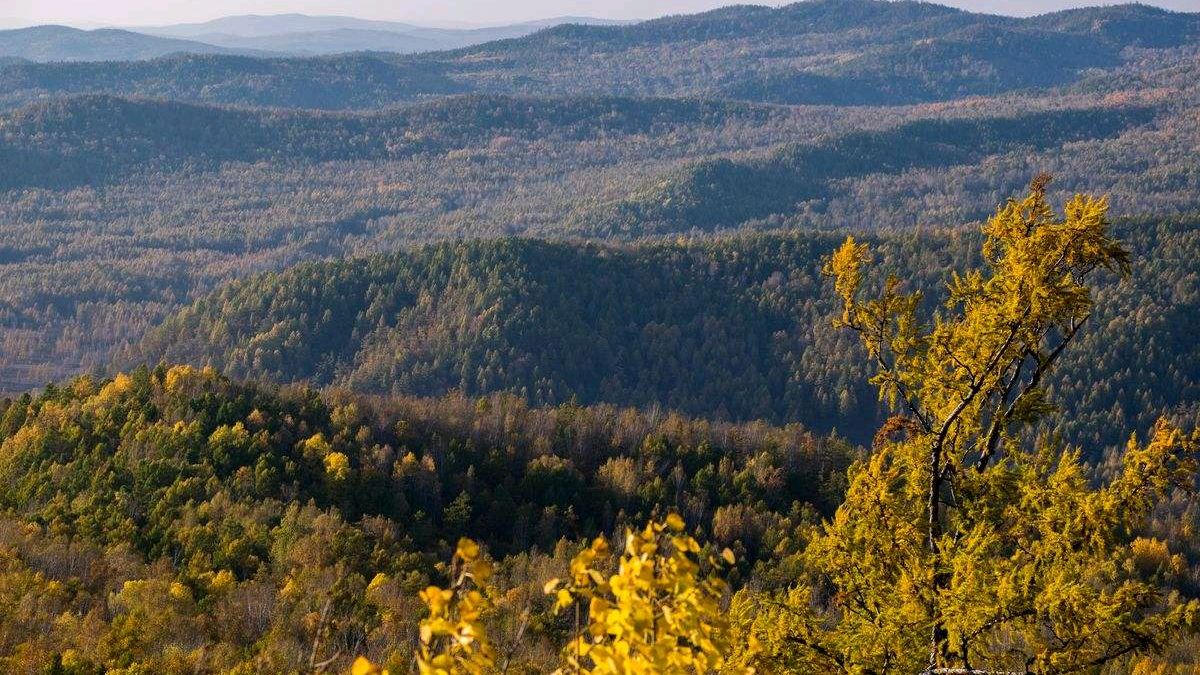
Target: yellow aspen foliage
<point>659,613</point>
<point>183,379</point>
<point>222,582</point>
<point>111,392</point>
<point>337,466</point>
<point>363,666</point>
<point>1148,666</point>
<point>316,446</point>
<point>453,639</point>
<point>177,376</point>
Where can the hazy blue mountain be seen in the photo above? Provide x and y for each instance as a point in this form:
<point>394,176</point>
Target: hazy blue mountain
<point>255,25</point>
<point>300,34</point>
<point>334,41</point>
<point>282,35</point>
<point>61,43</point>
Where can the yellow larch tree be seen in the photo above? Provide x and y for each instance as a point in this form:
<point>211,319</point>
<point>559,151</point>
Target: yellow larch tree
<point>963,545</point>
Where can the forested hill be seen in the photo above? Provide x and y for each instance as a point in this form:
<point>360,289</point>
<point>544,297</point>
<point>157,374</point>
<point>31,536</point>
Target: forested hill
<point>819,51</point>
<point>1130,24</point>
<point>98,139</point>
<point>736,328</point>
<point>345,81</point>
<point>834,51</point>
<point>171,516</point>
<point>724,193</point>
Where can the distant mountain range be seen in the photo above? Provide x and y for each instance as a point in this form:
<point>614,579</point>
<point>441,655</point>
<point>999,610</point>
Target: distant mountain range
<point>61,43</point>
<point>278,35</point>
<point>255,25</point>
<point>300,35</point>
<point>826,52</point>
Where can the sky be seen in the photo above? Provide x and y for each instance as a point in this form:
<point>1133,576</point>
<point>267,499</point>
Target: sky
<point>91,13</point>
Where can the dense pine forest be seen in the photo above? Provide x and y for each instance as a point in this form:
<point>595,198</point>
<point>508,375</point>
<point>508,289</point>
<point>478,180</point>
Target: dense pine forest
<point>736,328</point>
<point>845,336</point>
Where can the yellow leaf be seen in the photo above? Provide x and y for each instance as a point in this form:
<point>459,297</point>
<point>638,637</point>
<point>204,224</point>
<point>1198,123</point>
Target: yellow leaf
<point>675,522</point>
<point>481,570</point>
<point>468,550</point>
<point>363,667</point>
<point>564,598</point>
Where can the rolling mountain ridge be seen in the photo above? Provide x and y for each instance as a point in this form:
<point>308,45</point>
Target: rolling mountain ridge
<point>278,35</point>
<point>298,34</point>
<point>61,43</point>
<point>838,52</point>
<point>99,139</point>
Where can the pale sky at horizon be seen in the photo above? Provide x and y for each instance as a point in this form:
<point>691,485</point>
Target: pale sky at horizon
<point>478,12</point>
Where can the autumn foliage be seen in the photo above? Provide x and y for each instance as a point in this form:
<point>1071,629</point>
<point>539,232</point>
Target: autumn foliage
<point>967,541</point>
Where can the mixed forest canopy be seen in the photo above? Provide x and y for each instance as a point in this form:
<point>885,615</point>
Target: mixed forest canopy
<point>169,519</point>
<point>718,343</point>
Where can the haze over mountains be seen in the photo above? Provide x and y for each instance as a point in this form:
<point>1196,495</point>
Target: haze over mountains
<point>300,34</point>
<point>277,35</point>
<point>60,43</point>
